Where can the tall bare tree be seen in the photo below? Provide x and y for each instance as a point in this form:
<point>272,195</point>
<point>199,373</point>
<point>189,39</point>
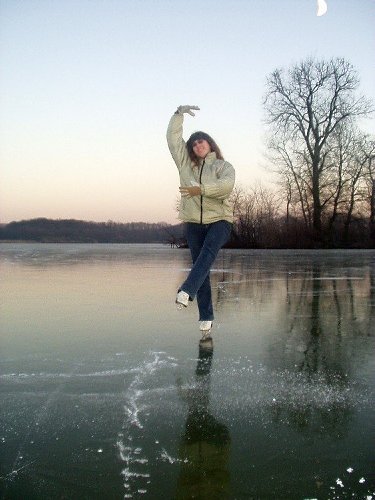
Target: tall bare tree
<point>304,105</point>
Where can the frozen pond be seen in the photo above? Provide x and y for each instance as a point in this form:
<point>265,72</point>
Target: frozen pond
<point>106,393</point>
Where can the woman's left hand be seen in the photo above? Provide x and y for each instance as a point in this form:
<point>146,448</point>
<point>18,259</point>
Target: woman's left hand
<point>190,191</point>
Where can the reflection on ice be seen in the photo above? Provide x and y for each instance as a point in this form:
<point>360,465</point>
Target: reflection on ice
<point>205,444</point>
<point>211,402</point>
<point>105,392</point>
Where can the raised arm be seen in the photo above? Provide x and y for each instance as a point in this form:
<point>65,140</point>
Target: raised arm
<point>176,144</point>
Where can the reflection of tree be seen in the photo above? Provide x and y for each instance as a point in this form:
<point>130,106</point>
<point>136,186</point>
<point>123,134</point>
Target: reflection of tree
<point>314,418</point>
<point>324,309</point>
<point>240,282</point>
<point>205,445</point>
<point>310,362</point>
<point>371,303</point>
<point>316,307</point>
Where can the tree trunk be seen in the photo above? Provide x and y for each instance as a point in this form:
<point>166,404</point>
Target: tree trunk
<point>372,214</point>
<point>317,214</point>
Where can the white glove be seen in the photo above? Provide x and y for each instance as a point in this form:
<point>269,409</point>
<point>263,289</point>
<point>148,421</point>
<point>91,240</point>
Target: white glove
<point>187,109</point>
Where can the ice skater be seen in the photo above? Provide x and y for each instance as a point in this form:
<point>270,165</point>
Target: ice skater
<point>206,182</point>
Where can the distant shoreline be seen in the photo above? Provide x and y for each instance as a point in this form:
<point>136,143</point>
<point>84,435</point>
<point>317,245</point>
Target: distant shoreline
<point>44,230</point>
<point>279,236</point>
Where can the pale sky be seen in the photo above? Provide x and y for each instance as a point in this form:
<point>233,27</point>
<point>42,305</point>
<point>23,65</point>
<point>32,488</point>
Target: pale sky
<point>87,88</point>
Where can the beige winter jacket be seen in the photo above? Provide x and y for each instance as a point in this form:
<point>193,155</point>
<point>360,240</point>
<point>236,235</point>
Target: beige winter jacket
<point>215,177</point>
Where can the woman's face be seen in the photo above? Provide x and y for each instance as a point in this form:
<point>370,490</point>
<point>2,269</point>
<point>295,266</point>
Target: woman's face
<point>201,148</point>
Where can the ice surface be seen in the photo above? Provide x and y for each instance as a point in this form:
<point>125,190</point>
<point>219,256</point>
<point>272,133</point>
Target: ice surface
<point>100,375</point>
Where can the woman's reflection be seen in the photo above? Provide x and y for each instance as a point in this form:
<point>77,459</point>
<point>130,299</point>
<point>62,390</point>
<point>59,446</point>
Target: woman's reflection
<point>205,445</point>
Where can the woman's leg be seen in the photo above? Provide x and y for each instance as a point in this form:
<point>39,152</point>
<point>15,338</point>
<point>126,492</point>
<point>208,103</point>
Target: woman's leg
<point>204,242</point>
<point>204,301</point>
<point>195,235</point>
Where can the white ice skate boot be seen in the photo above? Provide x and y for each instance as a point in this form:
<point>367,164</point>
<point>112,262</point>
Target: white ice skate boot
<point>182,299</point>
<point>205,328</point>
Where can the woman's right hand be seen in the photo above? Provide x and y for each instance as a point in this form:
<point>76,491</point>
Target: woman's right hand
<point>187,109</point>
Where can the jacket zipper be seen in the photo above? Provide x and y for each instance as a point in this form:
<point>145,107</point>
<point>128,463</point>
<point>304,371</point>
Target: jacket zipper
<point>200,182</point>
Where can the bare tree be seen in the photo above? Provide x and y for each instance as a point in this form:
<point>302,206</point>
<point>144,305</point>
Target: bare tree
<point>293,181</point>
<point>256,216</point>
<point>340,157</point>
<point>304,106</point>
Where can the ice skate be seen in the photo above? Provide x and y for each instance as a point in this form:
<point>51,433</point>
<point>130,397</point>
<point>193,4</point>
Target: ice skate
<point>205,329</point>
<point>182,299</point>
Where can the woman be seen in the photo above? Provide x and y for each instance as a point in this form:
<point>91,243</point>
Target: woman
<point>206,182</point>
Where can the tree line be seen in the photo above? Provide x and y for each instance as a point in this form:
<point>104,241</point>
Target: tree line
<point>78,231</point>
<point>258,224</point>
<point>262,221</point>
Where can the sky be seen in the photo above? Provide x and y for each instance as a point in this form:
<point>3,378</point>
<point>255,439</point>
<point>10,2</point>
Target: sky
<point>87,88</point>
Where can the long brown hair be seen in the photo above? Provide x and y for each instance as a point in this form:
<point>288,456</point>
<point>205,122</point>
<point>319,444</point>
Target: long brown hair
<point>202,135</point>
